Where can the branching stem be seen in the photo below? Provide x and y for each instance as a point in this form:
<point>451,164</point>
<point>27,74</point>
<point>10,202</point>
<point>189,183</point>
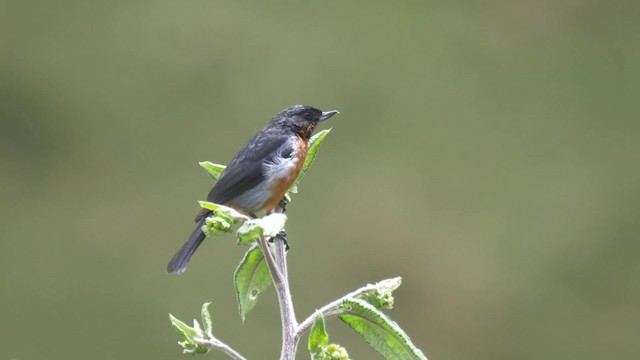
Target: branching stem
<point>331,310</point>
<point>277,263</point>
<point>275,256</point>
<point>220,346</point>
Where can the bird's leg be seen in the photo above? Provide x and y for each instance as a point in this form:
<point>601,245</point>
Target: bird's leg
<point>282,235</point>
<point>281,209</point>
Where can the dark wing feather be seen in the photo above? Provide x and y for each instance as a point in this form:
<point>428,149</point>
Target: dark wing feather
<point>244,172</point>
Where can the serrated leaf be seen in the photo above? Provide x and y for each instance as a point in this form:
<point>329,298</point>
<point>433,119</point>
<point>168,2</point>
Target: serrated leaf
<point>206,320</point>
<point>251,279</point>
<point>312,150</point>
<point>213,170</point>
<point>383,334</point>
<point>318,335</point>
<point>269,226</point>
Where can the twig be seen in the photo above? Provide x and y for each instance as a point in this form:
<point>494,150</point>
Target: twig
<point>289,322</point>
<point>220,346</point>
<point>271,264</point>
<point>330,310</point>
<point>277,264</point>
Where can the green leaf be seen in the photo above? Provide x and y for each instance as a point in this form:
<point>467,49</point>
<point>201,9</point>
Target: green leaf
<point>248,233</point>
<point>221,220</point>
<point>382,296</point>
<point>214,225</point>
<point>269,226</point>
<point>272,224</point>
<point>251,279</point>
<point>206,320</point>
<point>183,329</point>
<point>189,345</point>
<point>314,144</point>
<point>383,334</point>
<point>318,335</point>
<point>213,170</point>
<point>209,205</point>
<point>197,328</point>
<point>222,210</point>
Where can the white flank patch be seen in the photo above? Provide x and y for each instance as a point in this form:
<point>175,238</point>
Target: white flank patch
<point>278,167</point>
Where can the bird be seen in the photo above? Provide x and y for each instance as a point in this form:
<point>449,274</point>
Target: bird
<point>258,177</point>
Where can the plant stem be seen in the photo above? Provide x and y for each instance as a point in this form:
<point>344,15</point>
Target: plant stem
<point>278,269</point>
<point>271,263</point>
<point>220,346</point>
<point>330,310</point>
<point>277,264</point>
<point>289,322</point>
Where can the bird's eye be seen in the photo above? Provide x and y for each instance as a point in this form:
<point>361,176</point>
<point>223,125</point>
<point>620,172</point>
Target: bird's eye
<point>308,115</point>
<point>287,153</point>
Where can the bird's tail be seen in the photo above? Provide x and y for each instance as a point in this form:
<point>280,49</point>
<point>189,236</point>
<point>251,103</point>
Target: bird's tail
<point>181,259</point>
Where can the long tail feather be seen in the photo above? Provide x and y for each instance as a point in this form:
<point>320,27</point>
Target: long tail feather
<point>180,260</point>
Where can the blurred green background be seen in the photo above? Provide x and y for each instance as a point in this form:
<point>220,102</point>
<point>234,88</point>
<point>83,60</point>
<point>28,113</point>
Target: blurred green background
<point>486,152</point>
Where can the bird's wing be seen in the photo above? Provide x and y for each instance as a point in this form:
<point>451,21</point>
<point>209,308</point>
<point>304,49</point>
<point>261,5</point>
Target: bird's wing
<point>245,171</point>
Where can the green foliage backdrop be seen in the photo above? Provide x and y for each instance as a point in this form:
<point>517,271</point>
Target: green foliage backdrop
<point>487,152</point>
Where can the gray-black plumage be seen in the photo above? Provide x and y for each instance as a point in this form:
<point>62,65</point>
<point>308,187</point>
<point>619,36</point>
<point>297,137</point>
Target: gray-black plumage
<point>248,183</point>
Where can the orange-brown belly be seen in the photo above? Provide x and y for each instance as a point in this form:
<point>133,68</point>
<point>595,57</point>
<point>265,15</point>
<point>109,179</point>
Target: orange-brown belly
<point>281,186</point>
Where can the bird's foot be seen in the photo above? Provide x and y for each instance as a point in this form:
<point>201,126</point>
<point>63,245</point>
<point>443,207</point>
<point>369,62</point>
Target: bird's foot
<point>283,236</point>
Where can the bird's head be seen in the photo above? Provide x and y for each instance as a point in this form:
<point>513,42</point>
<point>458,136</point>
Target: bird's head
<point>302,118</point>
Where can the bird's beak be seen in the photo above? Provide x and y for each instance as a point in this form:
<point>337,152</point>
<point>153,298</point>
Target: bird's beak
<point>327,114</point>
